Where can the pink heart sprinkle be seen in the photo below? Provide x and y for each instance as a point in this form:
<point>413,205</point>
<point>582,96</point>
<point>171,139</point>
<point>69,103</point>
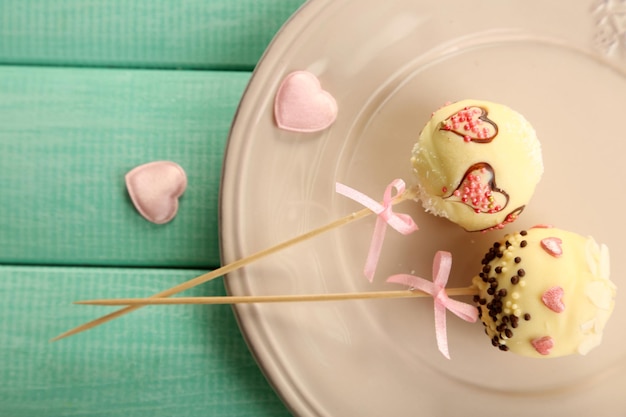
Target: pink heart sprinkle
<point>154,189</point>
<point>553,299</point>
<point>552,245</point>
<point>302,106</point>
<point>543,345</point>
<point>542,226</point>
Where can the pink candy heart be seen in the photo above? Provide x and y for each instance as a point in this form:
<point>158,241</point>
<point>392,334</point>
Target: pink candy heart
<point>552,245</point>
<point>553,299</point>
<point>154,189</point>
<point>543,345</point>
<point>302,106</point>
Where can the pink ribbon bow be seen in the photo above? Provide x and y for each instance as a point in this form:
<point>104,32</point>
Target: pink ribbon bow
<point>442,264</point>
<point>403,223</point>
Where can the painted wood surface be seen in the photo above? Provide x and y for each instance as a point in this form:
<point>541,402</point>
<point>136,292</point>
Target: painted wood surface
<point>89,90</point>
<point>175,361</point>
<point>200,34</point>
<point>70,135</point>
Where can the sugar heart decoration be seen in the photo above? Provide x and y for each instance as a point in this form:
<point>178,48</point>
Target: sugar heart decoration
<point>301,105</point>
<point>155,188</point>
<point>552,245</point>
<point>543,345</point>
<point>553,299</point>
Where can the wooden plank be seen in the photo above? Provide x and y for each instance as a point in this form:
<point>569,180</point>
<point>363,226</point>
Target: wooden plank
<point>215,34</point>
<point>67,138</point>
<point>157,362</point>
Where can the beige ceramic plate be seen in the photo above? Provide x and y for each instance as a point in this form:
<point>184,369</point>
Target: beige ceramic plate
<point>389,64</point>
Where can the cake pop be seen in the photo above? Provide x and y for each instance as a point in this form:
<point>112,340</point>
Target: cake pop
<point>477,163</point>
<point>541,293</point>
<point>545,292</point>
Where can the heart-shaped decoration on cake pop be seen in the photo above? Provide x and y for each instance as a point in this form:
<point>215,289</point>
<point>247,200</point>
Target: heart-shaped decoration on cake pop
<point>552,245</point>
<point>155,188</point>
<point>472,124</point>
<point>478,190</point>
<point>301,105</point>
<point>553,299</point>
<point>543,345</point>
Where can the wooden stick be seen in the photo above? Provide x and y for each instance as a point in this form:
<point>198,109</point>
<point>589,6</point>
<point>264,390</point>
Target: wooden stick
<point>248,299</point>
<point>408,194</point>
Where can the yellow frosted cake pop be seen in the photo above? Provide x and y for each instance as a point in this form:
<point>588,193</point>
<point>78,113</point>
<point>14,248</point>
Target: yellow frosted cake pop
<point>545,292</point>
<point>477,163</point>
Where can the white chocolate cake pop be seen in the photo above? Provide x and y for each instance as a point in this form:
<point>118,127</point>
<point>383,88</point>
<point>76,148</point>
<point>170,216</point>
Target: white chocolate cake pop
<point>541,293</point>
<point>477,163</point>
<point>545,292</point>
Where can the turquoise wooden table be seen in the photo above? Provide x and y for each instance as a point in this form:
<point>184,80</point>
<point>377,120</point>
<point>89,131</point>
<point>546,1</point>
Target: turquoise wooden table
<point>88,91</point>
